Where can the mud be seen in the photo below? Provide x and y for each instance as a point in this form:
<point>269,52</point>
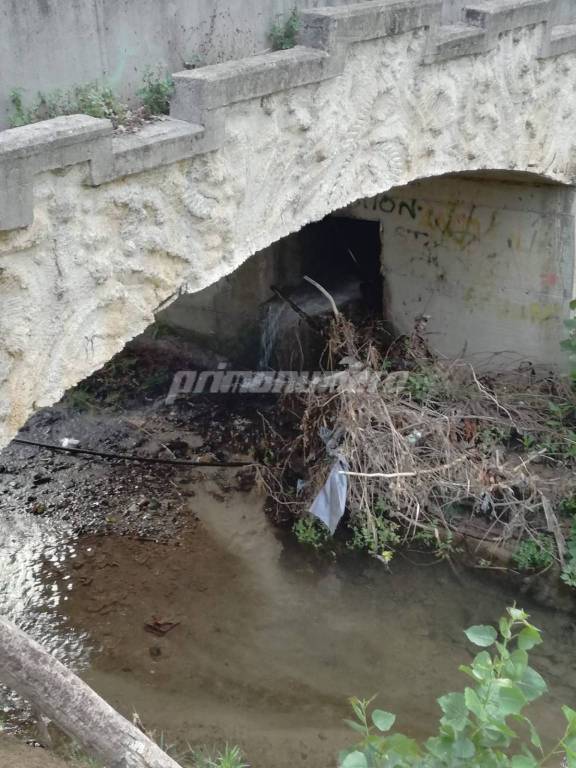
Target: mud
<point>269,639</point>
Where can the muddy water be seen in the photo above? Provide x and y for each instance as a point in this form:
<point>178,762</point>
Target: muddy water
<point>270,642</point>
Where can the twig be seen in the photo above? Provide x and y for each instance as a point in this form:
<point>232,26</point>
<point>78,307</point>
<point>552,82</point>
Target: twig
<point>391,475</point>
<point>325,293</point>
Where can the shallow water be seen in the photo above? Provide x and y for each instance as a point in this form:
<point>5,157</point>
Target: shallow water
<point>271,640</point>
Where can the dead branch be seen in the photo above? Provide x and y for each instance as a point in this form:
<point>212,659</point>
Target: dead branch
<point>73,706</point>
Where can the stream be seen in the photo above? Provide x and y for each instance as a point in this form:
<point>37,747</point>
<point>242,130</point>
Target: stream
<point>269,639</point>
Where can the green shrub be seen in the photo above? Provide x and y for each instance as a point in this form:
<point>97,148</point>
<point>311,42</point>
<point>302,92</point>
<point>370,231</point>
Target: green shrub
<point>283,35</point>
<point>156,92</point>
<point>476,727</point>
<point>91,99</point>
<point>534,554</point>
<point>311,531</point>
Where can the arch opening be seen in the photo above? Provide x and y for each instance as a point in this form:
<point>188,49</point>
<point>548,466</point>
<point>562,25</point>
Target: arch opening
<point>486,258</point>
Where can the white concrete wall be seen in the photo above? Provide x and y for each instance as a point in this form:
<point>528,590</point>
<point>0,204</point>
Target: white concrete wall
<point>50,44</point>
<point>491,263</point>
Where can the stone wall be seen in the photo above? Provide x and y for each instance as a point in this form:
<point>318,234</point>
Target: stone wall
<point>99,230</point>
<point>490,262</point>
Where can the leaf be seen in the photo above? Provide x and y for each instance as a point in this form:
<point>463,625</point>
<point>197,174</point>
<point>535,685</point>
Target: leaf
<point>455,712</point>
<point>482,666</point>
<point>383,720</point>
<point>516,665</point>
<point>532,684</point>
<point>473,703</point>
<point>463,748</point>
<point>570,716</point>
<point>402,745</point>
<point>355,726</point>
<point>511,700</point>
<point>355,760</point>
<point>504,627</point>
<point>528,638</point>
<point>482,635</point>
<point>524,761</point>
<point>517,614</point>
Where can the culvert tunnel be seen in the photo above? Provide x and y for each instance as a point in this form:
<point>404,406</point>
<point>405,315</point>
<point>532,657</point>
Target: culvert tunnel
<point>485,259</point>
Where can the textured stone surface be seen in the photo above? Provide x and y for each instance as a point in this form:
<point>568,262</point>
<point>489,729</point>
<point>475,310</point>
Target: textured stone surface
<point>87,275</point>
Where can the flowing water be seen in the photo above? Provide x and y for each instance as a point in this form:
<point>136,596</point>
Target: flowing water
<point>270,641</point>
<point>269,333</point>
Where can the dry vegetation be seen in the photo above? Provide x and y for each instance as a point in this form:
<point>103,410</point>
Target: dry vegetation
<point>437,448</point>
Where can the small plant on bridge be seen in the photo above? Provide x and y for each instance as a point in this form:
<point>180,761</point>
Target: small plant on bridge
<point>477,727</point>
<point>91,99</point>
<point>283,34</point>
<point>156,92</point>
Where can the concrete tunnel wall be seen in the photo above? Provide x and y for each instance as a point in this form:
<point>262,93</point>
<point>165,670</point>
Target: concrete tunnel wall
<point>491,262</point>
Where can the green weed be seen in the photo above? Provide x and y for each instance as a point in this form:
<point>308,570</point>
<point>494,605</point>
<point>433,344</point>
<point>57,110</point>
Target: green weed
<point>310,531</point>
<point>284,34</point>
<point>475,728</point>
<point>156,92</point>
<point>91,99</point>
<point>534,554</point>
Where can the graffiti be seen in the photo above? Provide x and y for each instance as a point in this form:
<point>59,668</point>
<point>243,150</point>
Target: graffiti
<point>455,225</point>
<point>386,204</point>
<point>412,234</point>
<point>452,224</point>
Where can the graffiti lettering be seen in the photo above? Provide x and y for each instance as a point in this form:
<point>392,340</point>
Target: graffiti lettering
<point>408,233</point>
<point>386,204</point>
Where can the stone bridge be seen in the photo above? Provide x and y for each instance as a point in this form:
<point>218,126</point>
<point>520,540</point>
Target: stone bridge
<point>99,229</point>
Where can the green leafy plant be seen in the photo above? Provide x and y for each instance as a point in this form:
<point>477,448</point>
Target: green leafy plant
<point>310,531</point>
<point>378,535</point>
<point>569,344</point>
<point>425,537</point>
<point>229,757</point>
<point>425,383</point>
<point>494,436</point>
<point>534,554</point>
<point>477,726</point>
<point>445,546</point>
<point>283,34</point>
<point>568,574</point>
<point>156,92</point>
<point>92,99</point>
<point>19,114</point>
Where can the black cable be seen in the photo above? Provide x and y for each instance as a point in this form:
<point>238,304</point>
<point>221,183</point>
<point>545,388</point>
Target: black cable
<point>131,457</point>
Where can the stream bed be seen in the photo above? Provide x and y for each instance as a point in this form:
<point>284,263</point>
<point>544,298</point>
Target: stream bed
<point>270,639</point>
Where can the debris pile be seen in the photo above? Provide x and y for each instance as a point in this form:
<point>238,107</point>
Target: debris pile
<point>430,445</point>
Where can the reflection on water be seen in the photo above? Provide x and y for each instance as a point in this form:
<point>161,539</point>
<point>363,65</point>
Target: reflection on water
<point>33,551</point>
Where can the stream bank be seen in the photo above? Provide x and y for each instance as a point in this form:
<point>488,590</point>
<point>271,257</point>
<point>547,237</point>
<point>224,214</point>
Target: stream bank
<point>266,638</point>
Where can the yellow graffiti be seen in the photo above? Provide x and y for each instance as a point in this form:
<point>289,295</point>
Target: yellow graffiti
<point>459,226</point>
<point>540,313</point>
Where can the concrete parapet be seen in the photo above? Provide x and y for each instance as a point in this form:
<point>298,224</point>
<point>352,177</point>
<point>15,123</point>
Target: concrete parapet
<point>498,16</point>
<point>198,113</point>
